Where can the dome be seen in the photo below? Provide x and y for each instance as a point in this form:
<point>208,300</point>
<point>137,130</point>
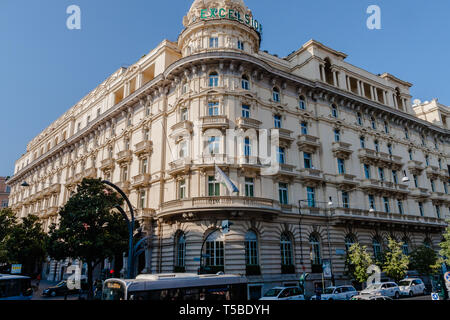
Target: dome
<point>205,3</point>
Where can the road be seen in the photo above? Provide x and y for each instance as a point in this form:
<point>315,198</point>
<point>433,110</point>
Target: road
<point>37,295</point>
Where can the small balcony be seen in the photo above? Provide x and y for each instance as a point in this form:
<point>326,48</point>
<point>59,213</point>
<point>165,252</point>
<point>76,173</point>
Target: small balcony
<point>107,164</point>
<point>124,156</point>
<point>311,177</point>
<point>182,126</point>
<point>307,143</point>
<point>215,122</point>
<point>180,166</point>
<point>368,156</point>
<point>143,148</point>
<point>141,180</point>
<point>438,197</point>
<point>342,150</point>
<point>346,180</point>
<point>248,123</point>
<point>285,135</point>
<point>432,172</point>
<point>372,185</point>
<point>415,167</point>
<point>419,193</point>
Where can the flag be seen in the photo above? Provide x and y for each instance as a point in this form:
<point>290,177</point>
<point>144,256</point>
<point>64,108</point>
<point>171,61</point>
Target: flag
<point>223,178</point>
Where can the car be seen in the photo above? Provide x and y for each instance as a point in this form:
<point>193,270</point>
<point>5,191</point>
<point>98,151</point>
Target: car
<point>337,293</point>
<point>389,289</point>
<point>370,297</point>
<point>284,293</point>
<point>61,289</point>
<point>412,287</point>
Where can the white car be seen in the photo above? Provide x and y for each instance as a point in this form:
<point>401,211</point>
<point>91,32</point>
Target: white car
<point>388,289</point>
<point>411,287</point>
<point>337,293</point>
<point>284,293</point>
<point>369,297</point>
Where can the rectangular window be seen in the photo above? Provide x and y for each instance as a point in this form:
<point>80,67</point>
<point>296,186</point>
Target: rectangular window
<point>362,141</point>
<point>420,208</point>
<point>386,204</point>
<point>144,165</point>
<point>247,147</point>
<point>400,206</point>
<point>416,181</point>
<point>311,196</point>
<point>213,42</point>
<point>432,186</point>
<point>394,176</point>
<point>213,187</point>
<point>372,202</point>
<point>240,45</point>
<point>182,189</point>
<point>438,212</point>
<point>281,156</point>
<point>345,200</point>
<point>277,121</point>
<point>341,166</point>
<point>245,111</point>
<point>213,108</point>
<point>304,128</point>
<point>214,145</point>
<point>381,174</point>
<point>337,135</point>
<point>283,193</point>
<point>307,160</point>
<point>367,171</point>
<point>142,199</point>
<point>249,187</point>
<point>184,114</point>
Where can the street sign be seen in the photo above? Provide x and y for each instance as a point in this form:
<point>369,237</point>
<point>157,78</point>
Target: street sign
<point>226,226</point>
<point>16,269</point>
<point>340,252</point>
<point>434,296</point>
<point>326,269</point>
<point>447,277</point>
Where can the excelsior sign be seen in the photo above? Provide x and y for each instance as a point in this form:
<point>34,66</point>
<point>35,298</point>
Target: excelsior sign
<point>231,14</point>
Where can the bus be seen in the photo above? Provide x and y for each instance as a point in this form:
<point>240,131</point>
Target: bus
<point>13,287</point>
<point>176,287</point>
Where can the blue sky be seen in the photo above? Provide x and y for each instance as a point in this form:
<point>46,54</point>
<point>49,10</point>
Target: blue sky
<point>46,68</point>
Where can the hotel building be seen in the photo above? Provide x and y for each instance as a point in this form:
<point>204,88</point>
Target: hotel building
<point>349,141</point>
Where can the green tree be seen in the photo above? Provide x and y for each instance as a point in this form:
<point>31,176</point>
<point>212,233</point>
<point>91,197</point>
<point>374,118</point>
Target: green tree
<point>89,229</point>
<point>7,222</point>
<point>359,260</point>
<point>26,244</point>
<point>423,260</point>
<point>445,246</point>
<point>395,261</point>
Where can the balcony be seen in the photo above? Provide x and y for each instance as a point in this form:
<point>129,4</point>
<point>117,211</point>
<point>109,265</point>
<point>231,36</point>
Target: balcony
<point>432,172</point>
<point>215,122</point>
<point>56,188</point>
<point>346,181</point>
<point>371,185</point>
<point>375,158</point>
<point>342,150</point>
<point>438,198</point>
<point>307,143</point>
<point>124,185</point>
<point>107,164</point>
<point>368,156</point>
<point>141,180</point>
<point>311,177</point>
<point>285,136</point>
<point>248,123</point>
<point>415,167</point>
<point>182,126</point>
<point>444,173</point>
<point>419,193</point>
<point>180,166</point>
<point>143,148</point>
<point>206,204</point>
<point>124,156</point>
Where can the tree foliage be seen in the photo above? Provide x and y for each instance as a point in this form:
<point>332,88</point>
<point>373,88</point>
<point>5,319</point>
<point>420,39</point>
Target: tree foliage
<point>7,222</point>
<point>423,260</point>
<point>445,246</point>
<point>359,261</point>
<point>89,229</point>
<point>395,261</point>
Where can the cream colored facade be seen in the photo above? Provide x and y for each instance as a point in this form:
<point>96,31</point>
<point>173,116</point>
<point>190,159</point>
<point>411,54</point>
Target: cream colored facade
<point>136,129</point>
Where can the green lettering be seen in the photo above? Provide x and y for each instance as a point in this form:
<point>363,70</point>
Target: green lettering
<point>247,19</point>
<point>213,13</point>
<point>230,14</point>
<point>202,14</point>
<point>239,16</point>
<point>222,13</point>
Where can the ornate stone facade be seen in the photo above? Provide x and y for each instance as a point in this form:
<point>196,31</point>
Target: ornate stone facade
<point>346,135</point>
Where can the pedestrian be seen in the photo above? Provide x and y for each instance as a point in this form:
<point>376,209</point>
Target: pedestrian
<point>318,291</point>
<point>38,280</point>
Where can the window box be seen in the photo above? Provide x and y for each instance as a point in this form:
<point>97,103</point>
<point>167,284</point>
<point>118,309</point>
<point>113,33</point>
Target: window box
<point>252,270</point>
<point>287,269</point>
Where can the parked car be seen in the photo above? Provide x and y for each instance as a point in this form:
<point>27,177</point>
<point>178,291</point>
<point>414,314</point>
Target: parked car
<point>412,287</point>
<point>337,293</point>
<point>284,293</point>
<point>61,289</point>
<point>389,289</point>
<point>370,297</point>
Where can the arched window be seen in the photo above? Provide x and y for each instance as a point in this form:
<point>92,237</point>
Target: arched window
<point>286,249</point>
<point>245,83</point>
<point>302,103</point>
<point>276,94</point>
<point>349,241</point>
<point>213,79</point>
<point>180,250</point>
<point>251,249</point>
<point>334,111</point>
<point>316,259</point>
<point>214,250</point>
<point>376,244</point>
<point>182,150</point>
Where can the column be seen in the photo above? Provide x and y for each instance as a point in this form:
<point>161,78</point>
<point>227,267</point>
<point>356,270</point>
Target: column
<point>322,72</point>
<point>359,87</point>
<point>335,80</point>
<point>363,92</point>
<point>349,88</point>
